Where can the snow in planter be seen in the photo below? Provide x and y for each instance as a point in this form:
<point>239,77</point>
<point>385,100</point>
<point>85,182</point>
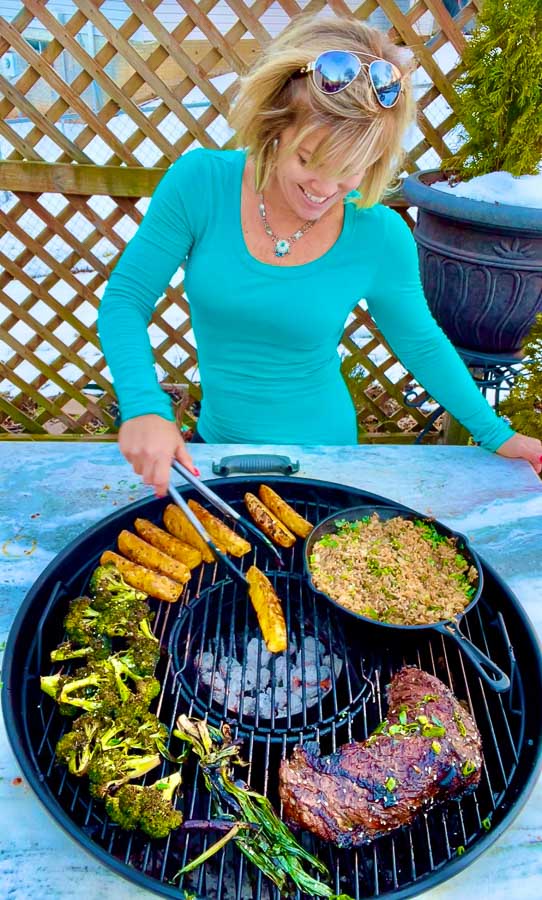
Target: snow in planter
<point>498,187</point>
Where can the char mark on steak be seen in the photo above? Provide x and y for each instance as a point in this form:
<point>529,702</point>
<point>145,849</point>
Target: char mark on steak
<point>428,749</point>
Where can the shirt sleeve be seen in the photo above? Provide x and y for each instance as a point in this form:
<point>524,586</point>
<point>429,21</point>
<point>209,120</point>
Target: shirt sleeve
<point>399,308</point>
<point>161,243</point>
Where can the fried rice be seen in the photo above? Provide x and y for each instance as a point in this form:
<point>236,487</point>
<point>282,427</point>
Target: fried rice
<point>398,571</point>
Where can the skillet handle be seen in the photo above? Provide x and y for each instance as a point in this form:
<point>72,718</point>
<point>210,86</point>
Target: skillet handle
<point>485,667</point>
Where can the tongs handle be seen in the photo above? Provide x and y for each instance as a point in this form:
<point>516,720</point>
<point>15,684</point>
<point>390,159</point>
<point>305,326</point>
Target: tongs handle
<point>204,535</point>
<point>225,508</point>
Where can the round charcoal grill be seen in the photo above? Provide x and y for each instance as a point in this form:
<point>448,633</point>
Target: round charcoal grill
<point>342,669</point>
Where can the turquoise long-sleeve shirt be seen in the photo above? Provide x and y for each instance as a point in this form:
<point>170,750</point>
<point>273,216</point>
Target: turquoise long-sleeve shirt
<point>267,335</point>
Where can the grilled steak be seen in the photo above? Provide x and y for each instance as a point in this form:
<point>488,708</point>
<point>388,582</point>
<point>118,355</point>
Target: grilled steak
<point>427,749</point>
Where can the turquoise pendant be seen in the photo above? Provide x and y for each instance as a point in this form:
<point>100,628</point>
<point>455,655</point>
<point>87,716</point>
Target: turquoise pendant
<point>282,248</point>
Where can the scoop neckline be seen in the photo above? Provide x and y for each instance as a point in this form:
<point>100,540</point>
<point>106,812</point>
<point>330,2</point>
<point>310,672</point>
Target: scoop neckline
<point>291,271</point>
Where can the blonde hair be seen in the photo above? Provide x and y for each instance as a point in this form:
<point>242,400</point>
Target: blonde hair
<point>360,136</point>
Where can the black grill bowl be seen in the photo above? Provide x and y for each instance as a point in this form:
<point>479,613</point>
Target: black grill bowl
<point>215,613</point>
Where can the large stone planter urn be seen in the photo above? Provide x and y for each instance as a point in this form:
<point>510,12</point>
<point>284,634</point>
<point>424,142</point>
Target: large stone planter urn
<point>480,263</point>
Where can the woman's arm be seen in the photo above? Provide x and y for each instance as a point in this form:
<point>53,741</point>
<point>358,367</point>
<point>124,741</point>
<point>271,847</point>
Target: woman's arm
<point>399,308</point>
<point>142,274</point>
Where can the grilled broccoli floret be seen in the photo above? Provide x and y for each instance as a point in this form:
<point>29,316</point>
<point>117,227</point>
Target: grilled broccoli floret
<point>144,631</point>
<point>125,666</point>
<point>93,733</point>
<point>81,620</point>
<point>133,732</point>
<point>76,748</point>
<point>147,689</point>
<point>129,819</point>
<point>87,621</point>
<point>91,688</point>
<point>144,648</point>
<point>97,647</point>
<point>108,771</point>
<point>157,816</point>
<point>106,582</point>
<point>149,808</point>
<point>104,685</point>
<point>145,653</point>
<point>121,617</point>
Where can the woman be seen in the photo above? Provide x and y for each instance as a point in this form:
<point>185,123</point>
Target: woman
<point>277,251</point>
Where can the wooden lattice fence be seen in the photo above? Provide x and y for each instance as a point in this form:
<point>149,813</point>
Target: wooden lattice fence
<point>97,98</point>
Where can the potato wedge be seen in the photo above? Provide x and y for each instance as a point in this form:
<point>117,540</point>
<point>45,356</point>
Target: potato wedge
<point>146,580</point>
<point>132,547</point>
<point>167,543</point>
<point>225,539</point>
<point>176,522</point>
<point>268,522</point>
<point>268,610</point>
<point>284,512</point>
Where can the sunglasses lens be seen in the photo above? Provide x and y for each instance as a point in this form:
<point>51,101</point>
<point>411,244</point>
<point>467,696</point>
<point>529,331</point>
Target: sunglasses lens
<point>386,81</point>
<point>335,70</point>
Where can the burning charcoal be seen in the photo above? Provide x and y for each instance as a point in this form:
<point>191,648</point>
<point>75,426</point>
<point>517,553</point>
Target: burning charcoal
<point>249,707</point>
<point>250,678</point>
<point>308,671</point>
<point>307,675</point>
<point>311,693</point>
<point>337,664</point>
<point>280,701</point>
<point>218,688</point>
<point>234,696</point>
<point>234,690</point>
<point>233,681</point>
<point>204,661</point>
<point>228,664</point>
<point>292,645</point>
<point>296,679</point>
<point>325,678</point>
<point>264,704</point>
<point>312,648</point>
<point>255,679</point>
<point>280,670</point>
<point>257,652</point>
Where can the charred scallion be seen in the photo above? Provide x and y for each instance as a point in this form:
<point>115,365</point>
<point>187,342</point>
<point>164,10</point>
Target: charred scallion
<point>271,845</point>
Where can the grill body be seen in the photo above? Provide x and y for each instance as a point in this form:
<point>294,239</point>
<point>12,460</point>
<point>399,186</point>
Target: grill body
<point>352,667</point>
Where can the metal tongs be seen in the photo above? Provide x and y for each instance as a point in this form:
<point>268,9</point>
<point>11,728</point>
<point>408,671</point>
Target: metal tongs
<point>226,510</point>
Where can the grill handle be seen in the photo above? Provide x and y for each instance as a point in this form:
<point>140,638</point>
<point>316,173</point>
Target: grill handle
<point>489,671</point>
<point>255,464</point>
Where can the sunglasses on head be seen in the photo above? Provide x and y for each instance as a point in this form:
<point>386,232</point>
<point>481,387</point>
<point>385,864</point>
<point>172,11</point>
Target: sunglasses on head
<point>333,70</point>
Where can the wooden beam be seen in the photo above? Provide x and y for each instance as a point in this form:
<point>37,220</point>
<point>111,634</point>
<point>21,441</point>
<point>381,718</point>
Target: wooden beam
<point>89,180</point>
<point>84,180</point>
<point>86,437</point>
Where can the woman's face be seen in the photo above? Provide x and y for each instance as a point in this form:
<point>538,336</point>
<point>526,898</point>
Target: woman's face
<point>309,193</point>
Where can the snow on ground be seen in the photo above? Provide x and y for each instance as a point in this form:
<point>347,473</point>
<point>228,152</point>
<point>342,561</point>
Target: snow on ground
<point>498,187</point>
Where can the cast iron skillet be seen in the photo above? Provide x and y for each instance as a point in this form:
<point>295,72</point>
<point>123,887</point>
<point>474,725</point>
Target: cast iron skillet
<point>486,668</point>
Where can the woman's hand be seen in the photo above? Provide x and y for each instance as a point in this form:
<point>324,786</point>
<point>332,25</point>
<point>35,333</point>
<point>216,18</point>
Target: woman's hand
<point>150,443</point>
<point>519,446</point>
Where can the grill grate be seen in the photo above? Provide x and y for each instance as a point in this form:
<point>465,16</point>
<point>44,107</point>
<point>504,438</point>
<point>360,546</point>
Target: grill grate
<point>351,668</point>
<point>220,625</point>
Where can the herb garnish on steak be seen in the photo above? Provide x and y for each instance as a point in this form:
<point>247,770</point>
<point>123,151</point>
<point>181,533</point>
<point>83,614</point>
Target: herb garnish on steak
<point>428,749</point>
